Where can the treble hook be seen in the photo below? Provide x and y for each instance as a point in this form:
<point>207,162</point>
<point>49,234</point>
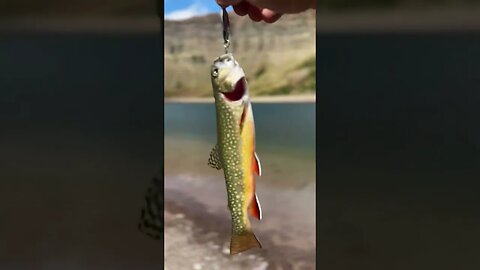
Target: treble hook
<point>226,29</point>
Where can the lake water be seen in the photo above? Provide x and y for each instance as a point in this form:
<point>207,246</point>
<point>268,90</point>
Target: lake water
<point>282,131</point>
<point>289,125</point>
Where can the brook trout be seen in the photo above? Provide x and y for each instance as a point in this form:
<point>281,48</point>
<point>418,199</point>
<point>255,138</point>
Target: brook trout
<point>235,149</point>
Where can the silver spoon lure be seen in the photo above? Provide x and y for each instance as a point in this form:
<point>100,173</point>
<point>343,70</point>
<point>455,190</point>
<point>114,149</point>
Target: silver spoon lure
<point>226,29</point>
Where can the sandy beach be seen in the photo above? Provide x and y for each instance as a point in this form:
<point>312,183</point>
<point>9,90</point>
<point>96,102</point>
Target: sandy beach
<point>197,223</point>
<point>193,242</point>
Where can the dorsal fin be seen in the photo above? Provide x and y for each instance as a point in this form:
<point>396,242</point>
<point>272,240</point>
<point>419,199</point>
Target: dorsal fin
<point>214,159</point>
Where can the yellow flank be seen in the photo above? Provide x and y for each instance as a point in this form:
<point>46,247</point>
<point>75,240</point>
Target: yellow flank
<point>248,145</point>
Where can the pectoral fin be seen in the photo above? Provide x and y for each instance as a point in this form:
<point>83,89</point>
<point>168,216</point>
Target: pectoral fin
<point>214,159</point>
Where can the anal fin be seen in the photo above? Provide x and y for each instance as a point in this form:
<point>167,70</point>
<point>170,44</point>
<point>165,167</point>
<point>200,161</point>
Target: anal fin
<point>255,210</point>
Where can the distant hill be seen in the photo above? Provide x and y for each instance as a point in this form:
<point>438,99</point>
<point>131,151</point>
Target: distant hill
<point>277,58</point>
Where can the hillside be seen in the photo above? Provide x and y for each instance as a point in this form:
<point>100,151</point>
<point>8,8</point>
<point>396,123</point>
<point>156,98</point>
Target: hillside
<point>277,58</point>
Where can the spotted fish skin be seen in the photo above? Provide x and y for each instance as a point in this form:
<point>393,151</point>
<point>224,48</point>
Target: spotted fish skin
<point>235,149</point>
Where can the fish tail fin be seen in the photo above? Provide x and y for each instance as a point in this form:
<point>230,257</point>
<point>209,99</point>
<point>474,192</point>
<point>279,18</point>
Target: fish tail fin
<point>243,242</point>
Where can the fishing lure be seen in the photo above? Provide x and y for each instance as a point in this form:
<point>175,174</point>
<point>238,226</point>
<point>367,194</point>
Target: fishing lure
<point>235,148</point>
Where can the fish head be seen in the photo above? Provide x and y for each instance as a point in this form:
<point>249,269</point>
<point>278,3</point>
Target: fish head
<point>228,79</point>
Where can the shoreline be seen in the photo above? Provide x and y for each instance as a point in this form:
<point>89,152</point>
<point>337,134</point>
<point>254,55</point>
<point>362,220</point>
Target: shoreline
<point>260,99</point>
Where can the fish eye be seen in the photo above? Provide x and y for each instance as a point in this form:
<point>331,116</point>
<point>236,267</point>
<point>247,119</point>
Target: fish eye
<point>215,72</point>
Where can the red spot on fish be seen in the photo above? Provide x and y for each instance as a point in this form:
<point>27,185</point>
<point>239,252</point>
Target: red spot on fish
<point>238,90</point>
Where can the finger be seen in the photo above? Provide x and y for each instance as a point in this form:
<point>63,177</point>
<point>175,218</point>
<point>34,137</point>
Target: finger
<point>226,3</point>
<point>270,16</point>
<point>254,13</point>
<point>241,8</point>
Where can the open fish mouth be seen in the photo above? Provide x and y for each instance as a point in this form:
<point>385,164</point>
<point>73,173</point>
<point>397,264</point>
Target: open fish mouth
<point>238,90</point>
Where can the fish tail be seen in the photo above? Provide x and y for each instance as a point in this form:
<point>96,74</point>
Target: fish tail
<point>244,241</point>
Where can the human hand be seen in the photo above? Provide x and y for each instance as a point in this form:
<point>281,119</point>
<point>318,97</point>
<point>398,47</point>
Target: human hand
<point>267,10</point>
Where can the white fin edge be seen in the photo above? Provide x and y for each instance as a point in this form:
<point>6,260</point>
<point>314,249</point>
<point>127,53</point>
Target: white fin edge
<point>258,164</point>
<point>259,206</point>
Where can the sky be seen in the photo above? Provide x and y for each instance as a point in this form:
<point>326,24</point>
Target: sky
<point>185,9</point>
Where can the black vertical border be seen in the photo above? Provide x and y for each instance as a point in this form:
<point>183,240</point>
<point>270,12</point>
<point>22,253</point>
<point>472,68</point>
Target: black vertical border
<point>160,13</point>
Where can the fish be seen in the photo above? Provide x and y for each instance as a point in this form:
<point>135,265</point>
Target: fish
<point>234,152</point>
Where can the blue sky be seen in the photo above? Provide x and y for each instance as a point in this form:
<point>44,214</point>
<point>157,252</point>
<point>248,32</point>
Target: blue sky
<point>184,9</point>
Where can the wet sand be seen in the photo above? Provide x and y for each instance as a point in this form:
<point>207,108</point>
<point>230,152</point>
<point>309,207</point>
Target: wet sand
<point>198,223</point>
<point>193,242</point>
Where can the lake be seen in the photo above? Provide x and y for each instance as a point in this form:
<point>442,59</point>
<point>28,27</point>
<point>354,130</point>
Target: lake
<point>284,131</point>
